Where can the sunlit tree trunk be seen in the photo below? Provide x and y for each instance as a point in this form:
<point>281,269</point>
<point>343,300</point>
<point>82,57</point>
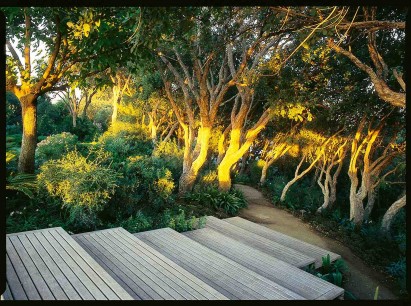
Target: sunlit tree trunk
<point>332,157</point>
<point>270,155</point>
<point>116,92</point>
<point>29,140</point>
<point>391,213</point>
<point>363,149</point>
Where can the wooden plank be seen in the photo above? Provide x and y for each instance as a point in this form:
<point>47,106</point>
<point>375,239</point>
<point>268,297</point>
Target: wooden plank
<point>76,265</point>
<point>126,254</point>
<point>104,258</point>
<point>291,242</point>
<point>160,279</point>
<point>16,289</point>
<point>263,244</point>
<point>138,272</point>
<point>180,282</point>
<point>111,289</point>
<point>47,276</point>
<point>22,274</point>
<point>67,269</point>
<point>291,277</point>
<point>49,264</point>
<point>6,296</point>
<point>55,270</point>
<point>205,291</point>
<point>225,275</point>
<point>32,270</point>
<point>195,265</point>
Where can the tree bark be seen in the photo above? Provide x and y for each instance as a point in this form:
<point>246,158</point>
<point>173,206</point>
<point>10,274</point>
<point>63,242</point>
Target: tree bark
<point>29,140</point>
<point>391,213</point>
<point>190,170</point>
<point>74,119</point>
<point>264,173</point>
<point>370,204</point>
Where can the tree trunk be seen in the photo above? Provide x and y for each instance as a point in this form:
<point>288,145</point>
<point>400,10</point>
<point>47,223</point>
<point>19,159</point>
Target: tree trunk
<point>224,174</point>
<point>326,192</point>
<point>190,170</point>
<point>356,208</point>
<point>264,173</point>
<point>116,98</point>
<point>29,140</point>
<point>74,119</point>
<point>391,213</point>
<point>370,204</point>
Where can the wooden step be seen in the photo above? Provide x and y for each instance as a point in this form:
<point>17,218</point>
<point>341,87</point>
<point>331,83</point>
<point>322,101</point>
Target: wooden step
<point>291,242</point>
<point>258,242</point>
<point>223,274</point>
<point>286,275</point>
<point>48,264</point>
<point>142,271</point>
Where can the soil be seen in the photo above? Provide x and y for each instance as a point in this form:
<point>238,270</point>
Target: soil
<point>362,280</point>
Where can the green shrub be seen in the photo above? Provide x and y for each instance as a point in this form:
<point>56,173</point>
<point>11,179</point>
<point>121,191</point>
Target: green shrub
<point>171,155</point>
<point>83,185</point>
<point>55,146</point>
<point>398,269</point>
<point>139,222</point>
<point>177,221</point>
<point>256,167</point>
<point>230,202</point>
<point>243,179</point>
<point>34,215</point>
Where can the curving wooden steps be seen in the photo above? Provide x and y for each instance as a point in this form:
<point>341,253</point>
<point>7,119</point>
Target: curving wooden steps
<point>229,259</point>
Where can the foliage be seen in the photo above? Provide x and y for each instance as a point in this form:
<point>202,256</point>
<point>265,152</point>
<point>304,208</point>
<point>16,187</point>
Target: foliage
<point>35,215</point>
<point>138,222</point>
<point>172,155</point>
<point>177,221</point>
<point>230,202</point>
<point>83,185</point>
<point>398,269</point>
<point>55,146</point>
<point>332,272</point>
<point>22,182</point>
<point>13,111</point>
<point>52,118</point>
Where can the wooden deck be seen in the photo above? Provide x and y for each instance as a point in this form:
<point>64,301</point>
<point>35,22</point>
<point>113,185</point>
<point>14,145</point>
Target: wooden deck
<point>258,242</point>
<point>141,270</point>
<point>49,265</point>
<point>223,274</point>
<point>286,275</point>
<point>232,259</point>
<point>296,244</point>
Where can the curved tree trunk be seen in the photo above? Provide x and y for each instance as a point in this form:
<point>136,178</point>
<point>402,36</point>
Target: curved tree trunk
<point>190,170</point>
<point>391,213</point>
<point>264,173</point>
<point>29,140</point>
<point>370,204</point>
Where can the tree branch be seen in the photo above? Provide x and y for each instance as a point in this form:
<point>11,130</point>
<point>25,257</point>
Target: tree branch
<point>384,92</point>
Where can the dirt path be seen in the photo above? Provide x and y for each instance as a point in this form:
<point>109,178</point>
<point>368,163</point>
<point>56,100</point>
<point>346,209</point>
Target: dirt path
<point>362,280</point>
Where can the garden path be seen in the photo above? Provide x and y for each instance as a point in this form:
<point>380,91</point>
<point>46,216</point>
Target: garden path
<point>362,279</point>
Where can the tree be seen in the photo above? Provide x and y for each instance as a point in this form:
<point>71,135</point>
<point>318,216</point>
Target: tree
<point>120,85</point>
<point>313,148</point>
<point>391,213</point>
<point>380,74</point>
<point>333,156</point>
<point>75,36</point>
<point>272,151</point>
<point>373,154</point>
